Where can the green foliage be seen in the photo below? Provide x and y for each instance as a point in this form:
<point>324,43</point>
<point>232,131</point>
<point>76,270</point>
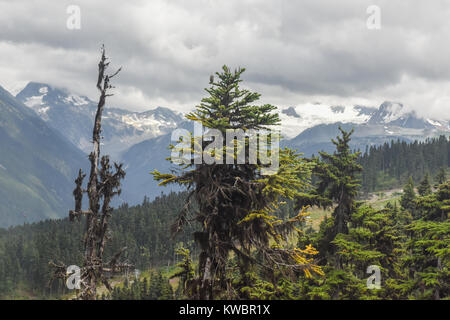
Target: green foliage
<point>236,203</point>
<point>144,229</point>
<point>424,186</point>
<point>391,164</point>
<point>185,272</point>
<point>408,196</point>
<point>441,176</point>
<point>336,183</point>
<point>337,179</point>
<point>158,288</point>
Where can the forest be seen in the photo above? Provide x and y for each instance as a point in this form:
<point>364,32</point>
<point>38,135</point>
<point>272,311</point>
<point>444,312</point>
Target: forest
<point>391,165</point>
<point>375,235</point>
<point>237,234</point>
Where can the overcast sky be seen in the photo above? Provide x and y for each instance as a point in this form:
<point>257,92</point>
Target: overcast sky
<point>294,51</point>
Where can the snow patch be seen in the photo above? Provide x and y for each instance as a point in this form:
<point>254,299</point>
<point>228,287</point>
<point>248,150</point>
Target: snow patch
<point>76,100</point>
<point>434,123</point>
<point>34,101</point>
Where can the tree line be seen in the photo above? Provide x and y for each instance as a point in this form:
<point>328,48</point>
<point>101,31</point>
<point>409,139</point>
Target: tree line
<point>391,164</point>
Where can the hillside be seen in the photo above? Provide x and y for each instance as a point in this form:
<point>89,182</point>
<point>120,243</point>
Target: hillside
<point>37,166</point>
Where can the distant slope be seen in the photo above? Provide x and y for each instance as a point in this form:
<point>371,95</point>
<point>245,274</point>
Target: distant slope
<point>143,158</point>
<point>37,166</point>
<point>318,138</point>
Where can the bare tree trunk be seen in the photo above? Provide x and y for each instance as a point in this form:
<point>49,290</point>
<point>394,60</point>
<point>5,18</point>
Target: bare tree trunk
<point>104,183</point>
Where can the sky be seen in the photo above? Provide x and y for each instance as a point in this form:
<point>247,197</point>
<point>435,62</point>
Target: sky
<point>337,52</point>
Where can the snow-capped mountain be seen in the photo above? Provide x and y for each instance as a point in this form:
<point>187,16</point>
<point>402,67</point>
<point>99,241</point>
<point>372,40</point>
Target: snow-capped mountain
<point>395,114</point>
<point>73,116</point>
<point>392,116</point>
<point>295,120</point>
<point>377,126</point>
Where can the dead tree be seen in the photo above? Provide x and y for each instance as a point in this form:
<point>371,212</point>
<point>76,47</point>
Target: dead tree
<point>103,185</point>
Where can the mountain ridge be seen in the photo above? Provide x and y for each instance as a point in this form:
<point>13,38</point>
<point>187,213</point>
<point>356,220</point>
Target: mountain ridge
<point>73,116</point>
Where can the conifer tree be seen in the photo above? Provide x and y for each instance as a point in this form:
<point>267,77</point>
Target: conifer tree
<point>408,196</point>
<point>424,186</point>
<point>337,180</point>
<point>441,176</point>
<point>104,184</point>
<point>186,271</point>
<point>429,243</point>
<point>235,201</point>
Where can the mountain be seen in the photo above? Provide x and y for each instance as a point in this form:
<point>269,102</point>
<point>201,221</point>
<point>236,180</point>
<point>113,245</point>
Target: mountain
<point>295,120</point>
<point>317,125</point>
<point>141,159</point>
<point>73,116</point>
<point>37,166</point>
<point>394,114</point>
<point>389,122</point>
<point>391,115</point>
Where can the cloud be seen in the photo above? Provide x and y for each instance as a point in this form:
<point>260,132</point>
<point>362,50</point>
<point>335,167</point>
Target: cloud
<point>293,51</point>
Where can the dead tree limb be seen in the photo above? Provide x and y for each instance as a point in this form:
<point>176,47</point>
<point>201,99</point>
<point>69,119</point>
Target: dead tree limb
<point>103,185</point>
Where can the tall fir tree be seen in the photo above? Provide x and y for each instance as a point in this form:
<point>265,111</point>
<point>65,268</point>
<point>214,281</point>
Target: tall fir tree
<point>235,201</point>
<point>424,186</point>
<point>441,177</point>
<point>408,196</point>
<point>337,180</point>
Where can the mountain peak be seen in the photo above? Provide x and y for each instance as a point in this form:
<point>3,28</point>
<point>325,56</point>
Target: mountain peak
<point>73,116</point>
<point>36,94</point>
<point>290,112</point>
<point>394,114</point>
<point>388,112</point>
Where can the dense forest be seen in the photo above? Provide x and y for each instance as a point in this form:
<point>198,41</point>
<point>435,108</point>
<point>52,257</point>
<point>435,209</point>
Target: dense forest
<point>25,251</point>
<point>391,164</point>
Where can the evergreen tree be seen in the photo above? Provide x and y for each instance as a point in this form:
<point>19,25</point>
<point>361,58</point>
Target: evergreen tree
<point>235,201</point>
<point>391,164</point>
<point>441,176</point>
<point>185,273</point>
<point>408,196</point>
<point>424,186</point>
<point>338,183</point>
<point>429,243</point>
